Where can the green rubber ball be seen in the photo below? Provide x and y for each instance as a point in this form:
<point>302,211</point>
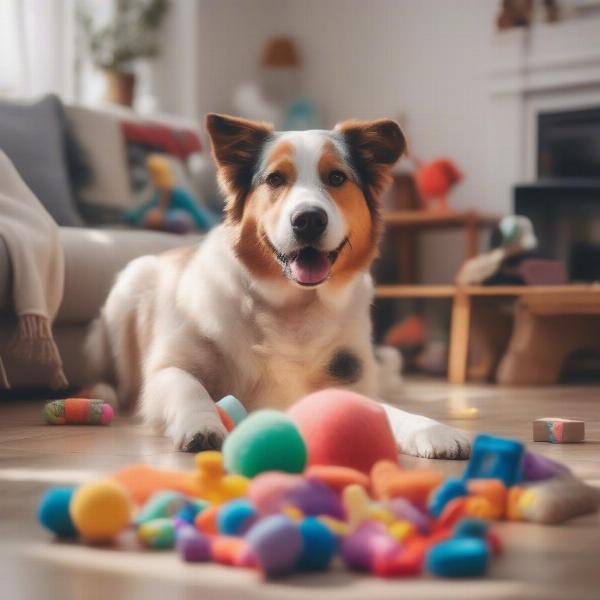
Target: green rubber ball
<point>267,440</point>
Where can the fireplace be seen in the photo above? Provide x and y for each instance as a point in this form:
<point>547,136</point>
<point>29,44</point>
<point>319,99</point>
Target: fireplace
<point>564,202</point>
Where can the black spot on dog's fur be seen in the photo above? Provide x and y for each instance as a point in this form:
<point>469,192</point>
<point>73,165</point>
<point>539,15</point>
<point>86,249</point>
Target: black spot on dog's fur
<point>345,366</point>
<point>204,441</point>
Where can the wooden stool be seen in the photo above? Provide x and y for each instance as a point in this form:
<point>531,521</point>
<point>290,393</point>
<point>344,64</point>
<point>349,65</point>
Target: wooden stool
<point>546,330</point>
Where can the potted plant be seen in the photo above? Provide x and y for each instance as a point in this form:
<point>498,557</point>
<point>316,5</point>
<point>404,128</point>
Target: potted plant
<point>128,32</point>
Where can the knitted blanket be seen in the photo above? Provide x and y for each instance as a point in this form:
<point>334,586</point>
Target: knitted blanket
<point>36,255</point>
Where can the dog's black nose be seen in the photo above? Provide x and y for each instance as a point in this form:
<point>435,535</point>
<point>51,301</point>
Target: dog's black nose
<point>309,223</point>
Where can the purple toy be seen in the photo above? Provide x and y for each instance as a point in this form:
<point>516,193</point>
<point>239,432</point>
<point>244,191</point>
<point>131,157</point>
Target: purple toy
<point>538,468</point>
<point>369,540</point>
<point>192,545</point>
<point>276,544</point>
<point>405,510</point>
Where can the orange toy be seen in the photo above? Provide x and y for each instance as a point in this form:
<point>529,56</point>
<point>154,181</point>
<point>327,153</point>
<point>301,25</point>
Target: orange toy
<point>494,491</point>
<point>227,550</point>
<point>141,481</point>
<point>388,480</point>
<point>337,478</point>
<point>206,520</point>
<point>209,481</point>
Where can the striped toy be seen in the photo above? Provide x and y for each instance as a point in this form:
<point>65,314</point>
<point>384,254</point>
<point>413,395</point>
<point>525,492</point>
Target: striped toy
<point>78,411</point>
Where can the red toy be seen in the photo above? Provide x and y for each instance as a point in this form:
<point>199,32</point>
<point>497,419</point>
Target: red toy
<point>434,180</point>
<point>345,429</point>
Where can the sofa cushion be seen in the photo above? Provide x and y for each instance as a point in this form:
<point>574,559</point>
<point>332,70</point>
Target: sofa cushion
<point>93,257</point>
<point>33,137</point>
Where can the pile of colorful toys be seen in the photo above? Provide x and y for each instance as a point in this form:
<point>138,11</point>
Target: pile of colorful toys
<point>299,491</point>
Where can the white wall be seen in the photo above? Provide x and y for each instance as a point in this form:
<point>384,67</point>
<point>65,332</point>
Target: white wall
<point>425,60</point>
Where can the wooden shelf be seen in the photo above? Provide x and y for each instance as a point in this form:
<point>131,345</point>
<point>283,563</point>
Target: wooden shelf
<point>438,219</point>
<point>415,291</point>
<point>449,291</point>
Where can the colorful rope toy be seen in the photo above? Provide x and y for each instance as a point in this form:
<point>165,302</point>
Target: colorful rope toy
<point>78,411</point>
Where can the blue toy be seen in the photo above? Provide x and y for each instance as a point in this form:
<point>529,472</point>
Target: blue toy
<point>171,208</point>
<point>236,517</point>
<point>188,513</point>
<point>318,545</point>
<point>495,458</point>
<point>53,512</point>
<point>458,557</point>
<point>450,489</point>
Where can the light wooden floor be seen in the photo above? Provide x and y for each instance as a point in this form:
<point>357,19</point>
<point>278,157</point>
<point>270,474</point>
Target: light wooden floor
<point>540,562</point>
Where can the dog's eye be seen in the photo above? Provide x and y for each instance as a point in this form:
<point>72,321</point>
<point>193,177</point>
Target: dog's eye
<point>336,178</point>
<point>275,179</point>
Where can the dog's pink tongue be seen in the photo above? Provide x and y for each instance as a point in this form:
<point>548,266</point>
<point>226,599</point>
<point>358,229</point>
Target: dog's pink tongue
<point>310,268</point>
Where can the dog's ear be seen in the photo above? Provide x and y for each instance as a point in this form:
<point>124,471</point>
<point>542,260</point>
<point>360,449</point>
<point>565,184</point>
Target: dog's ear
<point>236,146</point>
<point>374,147</point>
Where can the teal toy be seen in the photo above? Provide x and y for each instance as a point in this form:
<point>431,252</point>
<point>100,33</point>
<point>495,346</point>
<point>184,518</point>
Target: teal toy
<point>458,557</point>
<point>495,458</point>
<point>158,533</point>
<point>161,505</point>
<point>471,527</point>
<point>171,208</point>
<point>266,440</point>
<point>234,408</point>
<point>53,512</point>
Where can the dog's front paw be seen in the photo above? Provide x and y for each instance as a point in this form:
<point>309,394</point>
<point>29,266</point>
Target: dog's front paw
<point>436,441</point>
<point>206,432</point>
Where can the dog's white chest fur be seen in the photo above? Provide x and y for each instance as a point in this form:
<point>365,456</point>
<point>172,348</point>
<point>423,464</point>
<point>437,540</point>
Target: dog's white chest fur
<point>276,348</point>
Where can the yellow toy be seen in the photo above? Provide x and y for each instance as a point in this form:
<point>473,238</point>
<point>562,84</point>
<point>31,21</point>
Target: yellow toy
<point>100,510</point>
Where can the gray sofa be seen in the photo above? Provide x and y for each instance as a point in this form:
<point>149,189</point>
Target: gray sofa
<point>93,257</point>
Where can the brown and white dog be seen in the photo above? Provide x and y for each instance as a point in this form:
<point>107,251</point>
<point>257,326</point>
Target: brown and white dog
<point>271,305</point>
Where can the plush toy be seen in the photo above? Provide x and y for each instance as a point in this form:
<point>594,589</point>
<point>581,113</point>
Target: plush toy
<point>344,428</point>
<point>434,180</point>
<point>171,208</point>
<point>513,259</point>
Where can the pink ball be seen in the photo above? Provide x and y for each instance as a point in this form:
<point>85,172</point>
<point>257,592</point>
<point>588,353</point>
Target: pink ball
<point>344,428</point>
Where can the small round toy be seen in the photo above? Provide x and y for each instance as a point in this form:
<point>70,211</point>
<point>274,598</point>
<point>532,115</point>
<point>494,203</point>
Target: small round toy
<point>192,545</point>
<point>100,510</point>
<point>345,429</point>
<point>318,545</point>
<point>458,557</point>
<point>157,533</point>
<point>78,411</point>
<point>236,517</point>
<point>267,440</point>
<point>53,512</point>
<point>276,544</point>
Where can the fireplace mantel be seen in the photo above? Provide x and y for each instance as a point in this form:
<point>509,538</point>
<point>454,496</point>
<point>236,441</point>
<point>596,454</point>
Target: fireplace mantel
<point>545,68</point>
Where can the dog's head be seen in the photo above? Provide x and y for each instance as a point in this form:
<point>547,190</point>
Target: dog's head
<point>305,203</point>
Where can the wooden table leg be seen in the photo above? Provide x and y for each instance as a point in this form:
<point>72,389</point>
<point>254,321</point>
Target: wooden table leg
<point>458,353</point>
